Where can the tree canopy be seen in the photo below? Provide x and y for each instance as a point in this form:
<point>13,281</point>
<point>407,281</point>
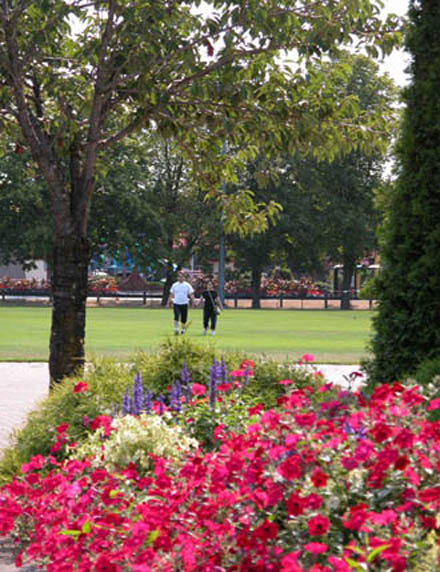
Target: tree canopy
<point>77,76</point>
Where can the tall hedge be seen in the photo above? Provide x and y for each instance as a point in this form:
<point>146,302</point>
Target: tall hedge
<point>407,326</point>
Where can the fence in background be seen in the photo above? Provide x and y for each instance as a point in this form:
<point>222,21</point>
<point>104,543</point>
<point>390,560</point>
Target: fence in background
<point>233,300</point>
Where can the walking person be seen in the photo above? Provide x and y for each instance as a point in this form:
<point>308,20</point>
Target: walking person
<point>181,293</point>
<point>212,306</point>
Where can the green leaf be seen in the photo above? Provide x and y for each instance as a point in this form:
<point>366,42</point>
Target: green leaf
<point>372,555</point>
<point>86,527</point>
<point>152,536</point>
<point>68,532</point>
<point>353,564</point>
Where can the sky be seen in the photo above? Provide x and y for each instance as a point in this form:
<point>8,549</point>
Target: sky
<point>395,64</point>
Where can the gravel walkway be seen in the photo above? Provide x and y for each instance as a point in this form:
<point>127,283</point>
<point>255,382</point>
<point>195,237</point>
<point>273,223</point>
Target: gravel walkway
<point>22,385</point>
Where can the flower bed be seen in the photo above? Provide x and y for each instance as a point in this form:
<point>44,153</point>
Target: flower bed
<point>327,480</point>
<point>276,287</point>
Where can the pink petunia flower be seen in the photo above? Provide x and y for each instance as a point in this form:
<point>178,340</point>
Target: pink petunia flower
<point>198,389</point>
<point>434,404</point>
<point>306,358</point>
<point>316,547</point>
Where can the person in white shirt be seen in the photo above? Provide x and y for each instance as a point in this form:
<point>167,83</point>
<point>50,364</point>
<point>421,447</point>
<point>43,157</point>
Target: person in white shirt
<point>181,293</point>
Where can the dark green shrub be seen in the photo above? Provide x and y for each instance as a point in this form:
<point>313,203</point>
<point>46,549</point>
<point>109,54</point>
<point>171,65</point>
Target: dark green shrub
<point>427,371</point>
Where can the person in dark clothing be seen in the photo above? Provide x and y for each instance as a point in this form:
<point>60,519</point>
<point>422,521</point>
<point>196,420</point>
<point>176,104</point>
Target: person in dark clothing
<point>211,307</point>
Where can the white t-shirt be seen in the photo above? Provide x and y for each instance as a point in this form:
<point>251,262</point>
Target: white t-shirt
<point>181,292</point>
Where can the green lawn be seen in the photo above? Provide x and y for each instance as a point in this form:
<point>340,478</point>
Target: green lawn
<point>333,336</point>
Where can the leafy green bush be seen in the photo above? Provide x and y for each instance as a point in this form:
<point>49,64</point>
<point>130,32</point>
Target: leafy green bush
<point>265,384</point>
<point>160,370</point>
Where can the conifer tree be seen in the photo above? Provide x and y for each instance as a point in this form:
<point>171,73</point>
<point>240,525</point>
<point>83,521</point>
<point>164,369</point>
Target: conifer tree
<point>406,328</point>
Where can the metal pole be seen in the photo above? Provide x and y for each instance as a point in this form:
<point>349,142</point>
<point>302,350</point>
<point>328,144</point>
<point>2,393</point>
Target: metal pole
<point>221,260</point>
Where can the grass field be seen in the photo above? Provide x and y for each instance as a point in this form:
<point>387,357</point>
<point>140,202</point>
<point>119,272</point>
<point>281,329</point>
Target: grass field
<point>332,336</point>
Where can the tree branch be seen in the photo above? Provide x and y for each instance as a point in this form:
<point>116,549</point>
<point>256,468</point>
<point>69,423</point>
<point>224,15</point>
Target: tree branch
<point>95,120</point>
<point>130,128</point>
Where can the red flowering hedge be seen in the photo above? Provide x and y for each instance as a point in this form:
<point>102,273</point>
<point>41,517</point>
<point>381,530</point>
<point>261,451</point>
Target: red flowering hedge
<point>328,481</point>
<point>96,285</point>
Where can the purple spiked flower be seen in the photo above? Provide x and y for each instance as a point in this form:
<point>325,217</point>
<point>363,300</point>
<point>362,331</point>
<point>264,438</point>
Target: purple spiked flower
<point>213,377</point>
<point>223,370</point>
<point>247,371</point>
<point>185,378</point>
<point>175,394</point>
<point>138,395</point>
<point>160,399</point>
<point>126,403</point>
<point>148,401</point>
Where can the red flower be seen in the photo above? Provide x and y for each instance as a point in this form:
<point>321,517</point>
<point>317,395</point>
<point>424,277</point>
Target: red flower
<point>266,531</point>
<point>34,464</point>
<point>255,410</point>
<point>434,404</point>
<point>306,358</point>
<point>305,419</point>
<point>290,468</point>
<point>430,495</point>
<point>285,382</point>
<point>289,562</point>
<point>313,501</point>
<point>104,564</point>
<point>381,432</point>
<point>349,463</point>
<point>316,547</point>
<point>237,373</point>
<point>319,478</point>
<point>247,363</point>
<point>295,505</point>
<point>6,526</point>
<point>338,564</point>
<point>80,387</point>
<point>318,525</point>
<point>62,428</point>
<point>102,421</point>
<point>401,463</point>
<point>56,447</point>
<point>224,386</point>
<point>358,516</point>
<point>198,389</point>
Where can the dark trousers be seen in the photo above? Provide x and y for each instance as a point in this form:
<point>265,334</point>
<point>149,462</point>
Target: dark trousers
<point>209,315</point>
<point>180,311</point>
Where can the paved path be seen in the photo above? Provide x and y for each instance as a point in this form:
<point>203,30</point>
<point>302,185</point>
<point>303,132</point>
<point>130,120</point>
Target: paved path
<point>22,385</point>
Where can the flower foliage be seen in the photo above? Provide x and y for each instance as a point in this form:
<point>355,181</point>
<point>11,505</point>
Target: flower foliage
<point>133,440</point>
<point>327,481</point>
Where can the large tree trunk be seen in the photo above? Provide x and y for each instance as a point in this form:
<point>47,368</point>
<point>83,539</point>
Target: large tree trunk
<point>255,287</point>
<point>69,291</point>
<point>169,279</point>
<point>348,271</point>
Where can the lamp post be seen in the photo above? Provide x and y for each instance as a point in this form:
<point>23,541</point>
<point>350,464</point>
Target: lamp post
<point>221,259</point>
